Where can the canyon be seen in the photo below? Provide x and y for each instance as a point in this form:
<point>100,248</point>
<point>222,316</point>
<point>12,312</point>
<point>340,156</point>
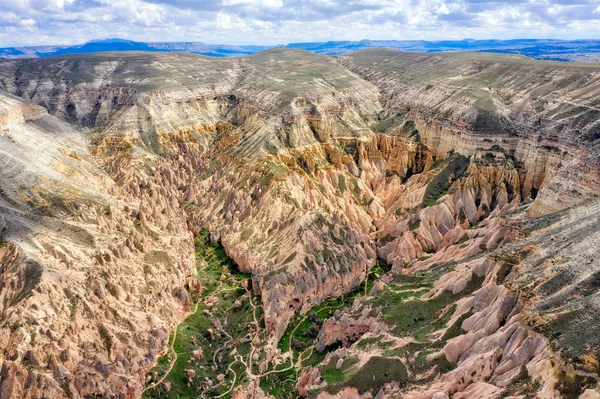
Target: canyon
<point>379,224</point>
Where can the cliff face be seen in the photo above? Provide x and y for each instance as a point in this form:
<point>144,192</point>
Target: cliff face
<point>305,169</point>
<point>541,114</point>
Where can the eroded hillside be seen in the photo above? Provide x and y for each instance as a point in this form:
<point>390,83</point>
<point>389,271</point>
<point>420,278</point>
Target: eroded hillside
<point>384,222</point>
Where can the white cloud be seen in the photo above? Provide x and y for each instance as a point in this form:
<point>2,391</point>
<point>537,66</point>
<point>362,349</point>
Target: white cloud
<point>28,22</point>
<point>283,21</point>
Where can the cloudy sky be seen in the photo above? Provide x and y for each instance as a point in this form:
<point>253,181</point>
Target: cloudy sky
<point>33,22</point>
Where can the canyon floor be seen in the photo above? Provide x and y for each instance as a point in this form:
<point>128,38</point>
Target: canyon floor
<point>375,225</point>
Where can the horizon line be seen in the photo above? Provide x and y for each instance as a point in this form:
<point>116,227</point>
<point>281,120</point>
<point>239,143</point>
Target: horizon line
<point>299,42</point>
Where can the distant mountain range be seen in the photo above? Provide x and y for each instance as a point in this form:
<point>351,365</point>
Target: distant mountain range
<point>562,50</point>
<point>550,49</point>
<point>95,46</point>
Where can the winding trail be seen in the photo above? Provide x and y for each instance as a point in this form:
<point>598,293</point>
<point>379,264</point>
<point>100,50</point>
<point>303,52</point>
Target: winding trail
<point>172,346</point>
<point>298,365</point>
<point>256,334</point>
<point>175,355</point>
<point>234,378</point>
<point>293,365</point>
<point>579,105</point>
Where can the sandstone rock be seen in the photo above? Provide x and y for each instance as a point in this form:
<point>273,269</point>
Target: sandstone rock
<point>191,373</point>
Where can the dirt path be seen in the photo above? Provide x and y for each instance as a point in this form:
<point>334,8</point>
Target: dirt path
<point>251,354</point>
<point>301,356</point>
<point>239,358</point>
<point>579,105</point>
<point>410,290</point>
<point>298,365</point>
<point>234,377</point>
<point>172,346</point>
<point>175,355</point>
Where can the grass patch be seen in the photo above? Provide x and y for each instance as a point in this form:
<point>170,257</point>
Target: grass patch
<point>463,239</point>
<point>412,226</point>
<point>281,385</point>
<point>289,258</point>
<point>371,377</point>
<point>106,338</point>
<point>342,183</point>
<point>439,185</point>
<point>386,124</point>
<point>332,375</point>
<point>247,233</point>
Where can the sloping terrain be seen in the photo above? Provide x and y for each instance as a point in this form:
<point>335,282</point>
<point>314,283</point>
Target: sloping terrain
<point>382,222</point>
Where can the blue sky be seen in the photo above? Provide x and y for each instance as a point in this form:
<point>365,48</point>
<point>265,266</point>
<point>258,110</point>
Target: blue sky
<point>34,22</point>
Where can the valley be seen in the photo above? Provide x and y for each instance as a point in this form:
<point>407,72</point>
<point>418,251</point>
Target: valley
<point>400,225</point>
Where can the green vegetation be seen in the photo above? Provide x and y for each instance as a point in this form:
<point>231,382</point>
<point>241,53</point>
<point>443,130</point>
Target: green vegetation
<point>384,125</point>
<point>32,273</point>
<point>439,185</point>
<point>475,226</point>
<point>291,73</point>
<point>463,239</point>
<point>301,333</point>
<point>222,281</point>
<point>400,125</point>
<point>376,372</point>
<point>371,376</point>
<point>227,349</point>
<point>300,336</point>
<point>106,338</point>
<point>282,385</point>
<point>415,318</point>
<point>363,343</point>
<point>247,233</point>
<point>523,385</point>
<point>342,183</point>
<point>289,258</point>
<point>419,364</point>
<point>487,122</point>
<point>273,171</point>
<point>333,375</point>
<point>356,187</point>
<point>303,330</point>
<point>572,385</point>
<point>407,316</point>
<point>414,225</point>
<point>441,162</point>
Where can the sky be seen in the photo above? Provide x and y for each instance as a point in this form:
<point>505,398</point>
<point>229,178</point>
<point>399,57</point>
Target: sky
<point>270,22</point>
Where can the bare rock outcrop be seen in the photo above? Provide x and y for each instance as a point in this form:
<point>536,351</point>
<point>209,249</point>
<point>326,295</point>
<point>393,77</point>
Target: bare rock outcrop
<point>345,331</point>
